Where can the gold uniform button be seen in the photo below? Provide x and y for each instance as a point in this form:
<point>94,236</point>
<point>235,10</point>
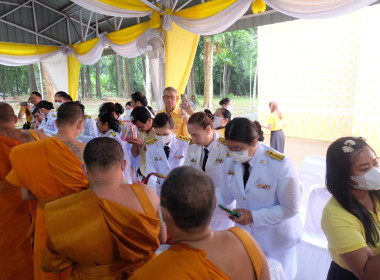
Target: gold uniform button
<point>244,198</point>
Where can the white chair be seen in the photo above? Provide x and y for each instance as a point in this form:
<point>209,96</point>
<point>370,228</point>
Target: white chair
<point>313,258</point>
<point>315,165</point>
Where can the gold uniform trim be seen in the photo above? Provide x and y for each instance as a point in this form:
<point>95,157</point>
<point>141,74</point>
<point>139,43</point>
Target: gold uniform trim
<point>183,138</point>
<point>151,141</point>
<point>275,155</point>
<point>222,140</point>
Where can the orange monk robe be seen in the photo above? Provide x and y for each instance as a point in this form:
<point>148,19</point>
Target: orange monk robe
<point>183,262</point>
<point>16,254</point>
<point>49,169</point>
<point>99,238</point>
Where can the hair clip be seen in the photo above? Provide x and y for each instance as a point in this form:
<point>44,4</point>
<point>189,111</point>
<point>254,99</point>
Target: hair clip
<point>347,148</point>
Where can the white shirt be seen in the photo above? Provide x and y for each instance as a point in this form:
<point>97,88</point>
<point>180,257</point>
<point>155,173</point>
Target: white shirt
<point>90,131</point>
<point>48,123</point>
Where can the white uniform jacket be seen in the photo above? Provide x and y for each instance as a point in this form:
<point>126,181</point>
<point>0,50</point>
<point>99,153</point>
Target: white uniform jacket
<point>272,194</point>
<point>156,160</point>
<point>90,131</point>
<point>214,169</point>
<point>48,123</point>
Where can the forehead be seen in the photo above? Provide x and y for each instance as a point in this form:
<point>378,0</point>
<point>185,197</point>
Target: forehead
<point>170,93</point>
<point>235,144</point>
<point>365,156</point>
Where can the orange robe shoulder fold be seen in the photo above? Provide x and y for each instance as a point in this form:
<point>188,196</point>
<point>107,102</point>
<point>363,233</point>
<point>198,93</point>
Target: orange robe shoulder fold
<point>183,262</point>
<point>16,257</point>
<point>99,238</point>
<point>50,170</point>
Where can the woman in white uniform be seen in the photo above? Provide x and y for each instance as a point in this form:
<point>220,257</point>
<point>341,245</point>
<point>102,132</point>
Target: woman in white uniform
<point>108,127</point>
<point>47,125</point>
<point>266,188</point>
<point>206,141</point>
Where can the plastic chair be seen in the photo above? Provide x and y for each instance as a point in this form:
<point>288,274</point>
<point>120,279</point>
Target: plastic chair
<point>313,258</point>
<point>315,165</point>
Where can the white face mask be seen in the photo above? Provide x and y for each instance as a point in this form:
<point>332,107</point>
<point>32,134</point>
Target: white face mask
<point>230,108</point>
<point>240,156</point>
<point>57,104</point>
<point>164,139</point>
<point>216,122</point>
<point>30,104</point>
<point>369,181</point>
<point>128,113</point>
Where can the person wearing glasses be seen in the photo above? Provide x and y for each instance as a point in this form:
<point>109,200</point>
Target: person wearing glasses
<point>170,101</point>
<point>266,188</point>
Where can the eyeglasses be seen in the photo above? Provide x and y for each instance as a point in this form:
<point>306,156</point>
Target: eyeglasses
<point>237,149</point>
<point>171,97</point>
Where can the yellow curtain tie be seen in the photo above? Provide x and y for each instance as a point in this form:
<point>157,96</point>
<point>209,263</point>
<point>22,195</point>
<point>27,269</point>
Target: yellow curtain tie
<point>258,6</point>
<point>168,11</point>
<point>155,21</point>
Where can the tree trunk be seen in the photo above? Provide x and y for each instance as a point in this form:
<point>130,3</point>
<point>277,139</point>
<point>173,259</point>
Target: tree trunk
<point>127,91</point>
<point>32,78</point>
<point>143,70</point>
<point>132,74</point>
<point>98,92</point>
<point>227,84</point>
<point>10,89</point>
<point>83,83</point>
<point>17,75</point>
<point>88,82</point>
<point>119,81</point>
<point>207,66</point>
<point>50,89</point>
<point>224,80</point>
<point>2,89</point>
<point>190,88</point>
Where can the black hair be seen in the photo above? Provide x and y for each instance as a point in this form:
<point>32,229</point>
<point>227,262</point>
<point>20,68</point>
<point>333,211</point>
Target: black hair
<point>338,182</point>
<point>151,110</point>
<point>36,93</point>
<point>81,105</point>
<point>170,89</point>
<point>257,126</point>
<point>69,113</point>
<point>45,104</point>
<point>139,97</point>
<point>108,117</point>
<point>102,152</point>
<point>241,130</point>
<point>111,107</point>
<point>201,119</point>
<point>35,110</point>
<point>224,101</point>
<point>129,103</point>
<point>226,114</point>
<point>119,109</point>
<point>140,114</point>
<point>189,196</point>
<point>64,95</point>
<point>163,119</point>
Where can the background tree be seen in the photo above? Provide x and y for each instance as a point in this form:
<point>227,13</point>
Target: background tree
<point>207,66</point>
<point>32,78</point>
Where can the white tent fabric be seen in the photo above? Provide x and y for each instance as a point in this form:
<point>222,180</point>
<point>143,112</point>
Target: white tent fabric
<point>14,60</point>
<point>126,50</point>
<point>57,70</point>
<point>157,70</point>
<point>95,53</point>
<point>317,9</point>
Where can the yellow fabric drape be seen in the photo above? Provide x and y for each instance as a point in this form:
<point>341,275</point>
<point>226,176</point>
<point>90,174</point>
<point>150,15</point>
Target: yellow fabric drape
<point>204,10</point>
<point>128,34</point>
<point>18,49</point>
<point>133,5</point>
<point>180,48</point>
<point>73,67</point>
<point>258,6</point>
<point>85,47</point>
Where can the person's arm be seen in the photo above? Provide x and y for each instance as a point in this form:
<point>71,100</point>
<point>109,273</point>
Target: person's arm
<point>52,261</point>
<point>186,107</point>
<point>22,110</point>
<point>270,123</point>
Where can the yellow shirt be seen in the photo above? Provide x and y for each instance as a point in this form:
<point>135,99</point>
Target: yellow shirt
<point>344,232</point>
<point>221,131</point>
<point>145,137</point>
<point>180,126</point>
<point>276,122</point>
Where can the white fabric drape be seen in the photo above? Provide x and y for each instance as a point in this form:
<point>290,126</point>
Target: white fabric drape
<point>317,9</point>
<point>57,70</point>
<point>15,60</point>
<point>126,50</point>
<point>217,23</point>
<point>104,9</point>
<point>95,53</point>
<point>157,70</point>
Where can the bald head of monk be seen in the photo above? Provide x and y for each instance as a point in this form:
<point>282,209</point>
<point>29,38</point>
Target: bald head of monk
<point>8,118</point>
<point>188,195</point>
<point>70,117</point>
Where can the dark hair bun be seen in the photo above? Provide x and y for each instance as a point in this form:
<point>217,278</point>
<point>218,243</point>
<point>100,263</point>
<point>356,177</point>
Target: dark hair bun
<point>119,109</point>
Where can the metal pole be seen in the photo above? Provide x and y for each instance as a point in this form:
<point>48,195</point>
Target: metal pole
<point>41,85</point>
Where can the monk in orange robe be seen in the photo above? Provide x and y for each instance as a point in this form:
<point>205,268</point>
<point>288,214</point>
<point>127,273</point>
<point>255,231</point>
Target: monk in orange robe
<point>47,170</point>
<point>187,203</point>
<point>16,254</point>
<point>105,232</point>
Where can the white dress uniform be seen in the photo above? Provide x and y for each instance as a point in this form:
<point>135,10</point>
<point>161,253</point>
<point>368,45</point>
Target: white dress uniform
<point>127,173</point>
<point>157,162</point>
<point>90,131</point>
<point>48,123</point>
<point>273,195</point>
<point>214,169</point>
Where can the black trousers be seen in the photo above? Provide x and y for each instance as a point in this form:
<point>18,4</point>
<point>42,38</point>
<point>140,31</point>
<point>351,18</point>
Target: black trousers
<point>336,272</point>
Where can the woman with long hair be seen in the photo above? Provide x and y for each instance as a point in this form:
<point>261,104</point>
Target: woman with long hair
<point>351,217</point>
<point>221,118</point>
<point>275,125</point>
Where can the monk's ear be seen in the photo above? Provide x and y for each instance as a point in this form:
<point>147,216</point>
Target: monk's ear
<point>16,119</point>
<point>79,123</point>
<point>56,123</point>
<point>123,165</point>
<point>84,169</point>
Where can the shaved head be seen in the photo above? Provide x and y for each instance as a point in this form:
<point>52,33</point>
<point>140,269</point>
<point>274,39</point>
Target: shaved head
<point>69,113</point>
<point>7,114</point>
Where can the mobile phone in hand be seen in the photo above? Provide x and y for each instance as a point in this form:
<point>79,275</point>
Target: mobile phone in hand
<point>183,97</point>
<point>231,212</point>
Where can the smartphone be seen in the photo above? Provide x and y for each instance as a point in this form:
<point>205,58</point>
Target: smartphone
<point>231,212</point>
<point>183,96</point>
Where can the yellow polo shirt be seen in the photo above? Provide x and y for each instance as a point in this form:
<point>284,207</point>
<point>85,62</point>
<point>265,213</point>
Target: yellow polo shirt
<point>344,232</point>
<point>276,122</point>
<point>180,126</point>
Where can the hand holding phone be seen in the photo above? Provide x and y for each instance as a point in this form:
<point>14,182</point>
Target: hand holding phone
<point>231,212</point>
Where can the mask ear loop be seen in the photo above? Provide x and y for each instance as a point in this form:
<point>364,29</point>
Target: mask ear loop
<point>161,216</point>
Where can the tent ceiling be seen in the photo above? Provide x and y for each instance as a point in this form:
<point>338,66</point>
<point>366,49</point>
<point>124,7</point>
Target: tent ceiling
<point>56,22</point>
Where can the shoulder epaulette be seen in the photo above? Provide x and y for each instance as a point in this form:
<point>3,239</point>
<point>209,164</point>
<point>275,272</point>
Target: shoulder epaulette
<point>191,141</point>
<point>183,138</point>
<point>54,115</point>
<point>222,140</point>
<point>275,155</point>
<point>88,116</point>
<point>113,134</point>
<point>151,141</point>
<point>121,122</point>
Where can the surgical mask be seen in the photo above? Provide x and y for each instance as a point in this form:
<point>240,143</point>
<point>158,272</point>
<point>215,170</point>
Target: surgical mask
<point>164,139</point>
<point>369,181</point>
<point>57,104</point>
<point>230,108</point>
<point>128,113</point>
<point>216,122</point>
<point>30,104</point>
<point>240,156</point>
